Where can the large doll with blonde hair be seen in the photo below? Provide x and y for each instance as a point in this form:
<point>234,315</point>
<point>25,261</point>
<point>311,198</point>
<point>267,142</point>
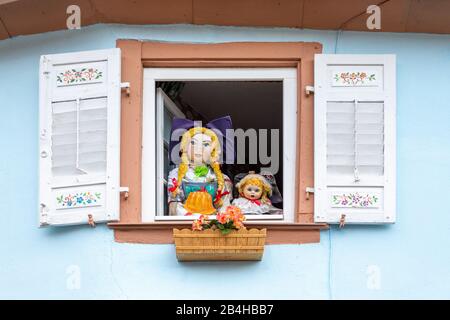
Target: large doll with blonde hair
<point>197,185</point>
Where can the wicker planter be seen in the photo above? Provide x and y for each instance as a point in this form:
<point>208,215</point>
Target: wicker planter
<point>209,245</point>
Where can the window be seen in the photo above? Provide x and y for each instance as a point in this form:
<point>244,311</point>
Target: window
<point>205,90</point>
<point>350,163</point>
<point>94,88</point>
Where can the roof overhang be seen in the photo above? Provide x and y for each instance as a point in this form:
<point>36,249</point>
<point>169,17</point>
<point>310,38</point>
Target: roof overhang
<point>21,17</point>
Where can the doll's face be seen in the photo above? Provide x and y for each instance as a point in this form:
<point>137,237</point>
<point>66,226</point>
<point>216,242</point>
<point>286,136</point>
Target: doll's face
<point>199,149</point>
<point>252,191</point>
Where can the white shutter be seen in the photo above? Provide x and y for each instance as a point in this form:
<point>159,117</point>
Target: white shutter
<point>354,129</point>
<point>79,137</point>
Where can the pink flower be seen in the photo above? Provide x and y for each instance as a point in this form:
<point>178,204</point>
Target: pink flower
<point>198,223</point>
<point>202,219</point>
<point>222,218</point>
<point>197,226</point>
<point>232,213</point>
<point>238,224</point>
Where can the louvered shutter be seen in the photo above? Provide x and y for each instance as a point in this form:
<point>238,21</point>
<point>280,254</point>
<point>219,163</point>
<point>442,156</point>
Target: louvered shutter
<point>79,137</point>
<point>354,121</point>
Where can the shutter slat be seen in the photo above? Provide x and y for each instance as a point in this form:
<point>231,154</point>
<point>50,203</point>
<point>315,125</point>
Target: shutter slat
<point>87,126</point>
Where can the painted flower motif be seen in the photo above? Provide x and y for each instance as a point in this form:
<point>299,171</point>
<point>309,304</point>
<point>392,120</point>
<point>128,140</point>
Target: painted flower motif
<point>74,76</point>
<point>353,78</point>
<point>78,199</point>
<point>355,200</point>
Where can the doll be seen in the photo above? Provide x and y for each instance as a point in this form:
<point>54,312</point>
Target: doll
<point>197,185</point>
<point>254,193</point>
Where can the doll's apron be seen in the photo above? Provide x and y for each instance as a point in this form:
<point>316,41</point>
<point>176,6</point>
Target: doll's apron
<point>189,186</point>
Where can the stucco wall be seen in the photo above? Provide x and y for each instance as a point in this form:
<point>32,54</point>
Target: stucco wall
<point>411,258</point>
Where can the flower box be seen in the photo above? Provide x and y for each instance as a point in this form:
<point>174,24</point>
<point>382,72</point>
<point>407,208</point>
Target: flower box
<point>210,245</point>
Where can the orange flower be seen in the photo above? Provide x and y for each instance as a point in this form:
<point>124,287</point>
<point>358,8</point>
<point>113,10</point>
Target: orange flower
<point>202,219</point>
<point>239,218</point>
<point>238,224</point>
<point>196,225</point>
<point>222,218</point>
<point>233,210</point>
<point>234,214</point>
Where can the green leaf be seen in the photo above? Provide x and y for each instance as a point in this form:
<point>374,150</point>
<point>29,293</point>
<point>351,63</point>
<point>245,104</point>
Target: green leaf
<point>225,231</point>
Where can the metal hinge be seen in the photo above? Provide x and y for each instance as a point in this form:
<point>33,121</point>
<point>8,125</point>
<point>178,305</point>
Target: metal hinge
<point>91,221</point>
<point>308,191</point>
<point>125,86</point>
<point>43,218</point>
<point>309,90</point>
<point>45,62</point>
<point>124,190</point>
<point>342,221</point>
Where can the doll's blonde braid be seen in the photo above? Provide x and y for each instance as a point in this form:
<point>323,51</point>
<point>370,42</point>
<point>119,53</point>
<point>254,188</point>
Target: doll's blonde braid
<point>220,182</point>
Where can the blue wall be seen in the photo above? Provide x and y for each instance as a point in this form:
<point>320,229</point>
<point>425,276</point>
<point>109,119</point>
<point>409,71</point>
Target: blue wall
<point>410,259</point>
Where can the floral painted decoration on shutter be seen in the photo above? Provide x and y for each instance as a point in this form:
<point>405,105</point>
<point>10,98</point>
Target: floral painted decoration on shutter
<point>78,199</point>
<point>354,78</point>
<point>354,200</point>
<point>77,76</point>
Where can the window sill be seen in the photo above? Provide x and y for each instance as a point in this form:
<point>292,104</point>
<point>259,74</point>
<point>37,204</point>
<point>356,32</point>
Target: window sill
<point>161,232</point>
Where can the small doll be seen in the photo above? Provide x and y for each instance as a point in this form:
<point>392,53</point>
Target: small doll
<point>254,193</point>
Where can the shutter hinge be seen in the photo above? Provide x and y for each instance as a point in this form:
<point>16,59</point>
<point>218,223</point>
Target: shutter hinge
<point>308,191</point>
<point>45,62</point>
<point>43,219</point>
<point>91,221</point>
<point>125,86</point>
<point>309,90</point>
<point>342,221</point>
<point>126,191</point>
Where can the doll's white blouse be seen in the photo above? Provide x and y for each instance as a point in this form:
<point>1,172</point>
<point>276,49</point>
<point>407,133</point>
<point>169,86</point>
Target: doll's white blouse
<point>255,207</point>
